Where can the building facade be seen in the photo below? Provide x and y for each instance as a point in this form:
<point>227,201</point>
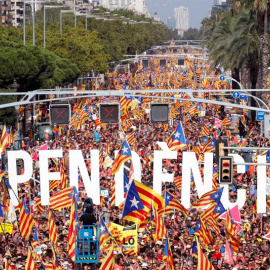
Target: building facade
<point>11,12</point>
<point>181,18</point>
<point>138,6</point>
<point>219,4</point>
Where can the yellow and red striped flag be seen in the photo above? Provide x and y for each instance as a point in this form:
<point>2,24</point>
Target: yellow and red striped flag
<point>203,262</point>
<point>123,155</point>
<point>102,201</point>
<point>30,264</point>
<point>131,138</point>
<point>159,224</point>
<point>205,130</point>
<point>61,199</point>
<point>178,182</point>
<point>168,257</point>
<point>231,233</point>
<point>173,203</point>
<point>26,220</point>
<point>177,140</point>
<point>4,139</point>
<point>208,198</point>
<point>225,122</point>
<point>52,228</point>
<point>7,265</point>
<point>109,261</point>
<point>63,183</point>
<point>72,224</point>
<point>53,184</point>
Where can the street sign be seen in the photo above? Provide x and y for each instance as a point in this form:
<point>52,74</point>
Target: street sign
<point>60,114</point>
<point>159,112</point>
<point>242,96</point>
<point>109,113</point>
<point>236,94</point>
<point>222,78</point>
<point>260,116</point>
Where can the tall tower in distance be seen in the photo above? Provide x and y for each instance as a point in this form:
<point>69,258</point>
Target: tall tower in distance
<point>181,16</point>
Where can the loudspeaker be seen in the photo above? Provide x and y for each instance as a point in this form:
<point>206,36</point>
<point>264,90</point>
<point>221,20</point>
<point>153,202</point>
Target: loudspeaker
<point>109,113</point>
<point>159,112</point>
<point>60,114</point>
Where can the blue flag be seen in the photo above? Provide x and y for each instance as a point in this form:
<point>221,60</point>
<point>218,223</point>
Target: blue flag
<point>217,195</point>
<point>133,201</point>
<point>168,198</point>
<point>126,183</point>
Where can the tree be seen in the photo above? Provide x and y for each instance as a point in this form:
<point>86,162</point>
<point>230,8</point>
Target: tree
<point>7,115</point>
<point>191,34</point>
<point>33,67</point>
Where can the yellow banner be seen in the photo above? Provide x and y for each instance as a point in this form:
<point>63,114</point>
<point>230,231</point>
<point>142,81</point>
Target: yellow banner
<point>125,238</point>
<point>6,228</point>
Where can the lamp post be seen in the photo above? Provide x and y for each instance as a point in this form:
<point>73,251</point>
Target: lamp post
<point>61,24</point>
<point>44,22</point>
<point>33,2</point>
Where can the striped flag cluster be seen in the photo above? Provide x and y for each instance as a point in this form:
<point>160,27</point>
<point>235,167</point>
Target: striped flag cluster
<point>157,219</point>
<point>203,232</point>
<point>210,146</point>
<point>53,184</point>
<point>52,228</point>
<point>26,220</point>
<point>61,199</point>
<point>148,197</point>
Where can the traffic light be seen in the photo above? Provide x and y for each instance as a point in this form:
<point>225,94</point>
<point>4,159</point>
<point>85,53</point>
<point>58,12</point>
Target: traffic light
<point>109,113</point>
<point>60,114</point>
<point>159,112</point>
<point>220,152</point>
<point>225,170</point>
<point>198,78</point>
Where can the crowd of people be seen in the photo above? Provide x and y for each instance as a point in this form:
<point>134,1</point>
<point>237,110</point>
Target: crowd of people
<point>86,133</point>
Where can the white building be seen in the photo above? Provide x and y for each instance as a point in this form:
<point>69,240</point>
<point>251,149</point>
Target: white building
<point>181,16</point>
<point>138,6</point>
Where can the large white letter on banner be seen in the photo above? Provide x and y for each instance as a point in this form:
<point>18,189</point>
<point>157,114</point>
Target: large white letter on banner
<point>119,177</point>
<point>189,164</point>
<point>158,175</point>
<point>261,186</point>
<point>241,193</point>
<point>45,175</point>
<point>14,178</point>
<point>76,162</point>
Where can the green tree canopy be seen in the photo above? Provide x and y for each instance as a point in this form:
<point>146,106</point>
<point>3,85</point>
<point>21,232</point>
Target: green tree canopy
<point>33,67</point>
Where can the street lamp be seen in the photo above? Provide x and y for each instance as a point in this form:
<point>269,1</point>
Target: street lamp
<point>44,23</point>
<point>33,18</point>
<point>61,25</point>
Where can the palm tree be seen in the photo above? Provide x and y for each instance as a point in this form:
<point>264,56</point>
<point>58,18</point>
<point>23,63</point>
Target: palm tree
<point>263,7</point>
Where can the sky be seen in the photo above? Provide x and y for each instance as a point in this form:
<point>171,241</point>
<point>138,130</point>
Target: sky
<point>198,9</point>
